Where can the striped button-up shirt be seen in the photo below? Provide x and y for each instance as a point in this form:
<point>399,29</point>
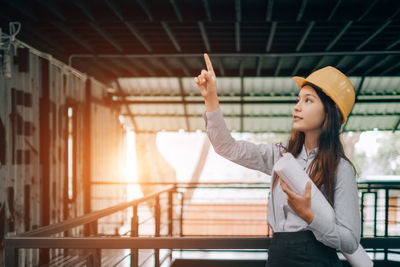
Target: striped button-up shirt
<point>343,235</point>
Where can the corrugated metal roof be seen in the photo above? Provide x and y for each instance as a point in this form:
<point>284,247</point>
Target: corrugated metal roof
<point>251,104</point>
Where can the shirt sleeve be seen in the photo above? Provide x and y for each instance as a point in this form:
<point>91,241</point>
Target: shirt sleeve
<point>345,233</point>
<point>254,156</point>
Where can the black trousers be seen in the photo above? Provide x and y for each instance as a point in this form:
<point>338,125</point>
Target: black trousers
<point>300,249</point>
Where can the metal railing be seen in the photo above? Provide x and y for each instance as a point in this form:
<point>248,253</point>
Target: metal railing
<point>379,241</point>
<point>41,235</point>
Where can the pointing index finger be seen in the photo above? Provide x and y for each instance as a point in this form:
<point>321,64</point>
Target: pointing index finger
<point>208,63</point>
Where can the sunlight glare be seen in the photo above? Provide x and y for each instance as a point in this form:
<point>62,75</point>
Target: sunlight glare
<point>131,163</point>
<point>133,190</point>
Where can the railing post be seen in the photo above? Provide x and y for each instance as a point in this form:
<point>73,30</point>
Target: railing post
<point>10,255</point>
<point>157,230</point>
<point>181,215</point>
<point>386,219</point>
<point>170,216</point>
<point>362,213</point>
<point>134,233</point>
<point>170,207</point>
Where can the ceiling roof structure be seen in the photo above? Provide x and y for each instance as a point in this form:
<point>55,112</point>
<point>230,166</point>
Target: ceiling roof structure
<point>151,50</point>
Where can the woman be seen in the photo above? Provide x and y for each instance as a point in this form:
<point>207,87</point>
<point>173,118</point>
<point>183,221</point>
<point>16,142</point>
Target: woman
<point>300,238</point>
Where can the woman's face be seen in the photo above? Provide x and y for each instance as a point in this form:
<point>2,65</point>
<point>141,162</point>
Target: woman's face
<point>308,114</point>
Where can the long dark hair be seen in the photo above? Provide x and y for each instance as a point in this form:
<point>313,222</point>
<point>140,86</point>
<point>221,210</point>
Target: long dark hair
<point>322,169</point>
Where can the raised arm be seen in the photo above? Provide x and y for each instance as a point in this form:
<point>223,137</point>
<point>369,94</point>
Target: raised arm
<point>254,156</point>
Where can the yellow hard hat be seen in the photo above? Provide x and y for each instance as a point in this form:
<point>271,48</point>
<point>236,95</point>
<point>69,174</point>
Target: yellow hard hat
<point>335,84</point>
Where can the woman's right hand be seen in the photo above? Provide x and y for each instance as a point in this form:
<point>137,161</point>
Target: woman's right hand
<point>207,83</point>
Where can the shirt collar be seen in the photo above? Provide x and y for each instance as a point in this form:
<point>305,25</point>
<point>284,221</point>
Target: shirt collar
<point>311,153</point>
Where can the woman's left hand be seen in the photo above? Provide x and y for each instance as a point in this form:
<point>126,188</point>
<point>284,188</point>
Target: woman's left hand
<point>301,204</point>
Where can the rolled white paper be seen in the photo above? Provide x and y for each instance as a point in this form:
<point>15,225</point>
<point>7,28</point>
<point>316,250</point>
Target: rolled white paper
<point>296,178</point>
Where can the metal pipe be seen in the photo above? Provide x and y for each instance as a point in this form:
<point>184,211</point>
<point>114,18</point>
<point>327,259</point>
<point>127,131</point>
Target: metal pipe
<point>183,55</point>
<point>17,242</point>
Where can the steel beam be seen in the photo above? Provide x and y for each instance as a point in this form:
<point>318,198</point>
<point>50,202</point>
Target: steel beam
<point>278,67</point>
<point>298,64</point>
<point>220,66</point>
<point>139,63</point>
<point>317,66</point>
<point>92,23</point>
<point>338,2</point>
<point>176,10</point>
<point>237,36</point>
<point>357,65</point>
<point>341,60</point>
<point>396,126</point>
<point>162,65</point>
<point>262,100</point>
<point>259,66</point>
<point>84,9</point>
<point>285,100</point>
<point>271,36</point>
<point>393,44</point>
<point>305,36</point>
<point>390,69</point>
<point>238,10</point>
<point>131,116</point>
<point>22,8</point>
<point>238,55</point>
<point>301,10</point>
<point>380,63</point>
<point>372,36</point>
<point>146,9</point>
<point>182,65</point>
<point>185,112</point>
<point>49,5</point>
<point>128,67</point>
<point>359,88</point>
<point>241,68</point>
<point>370,6</point>
<point>105,35</point>
<point>174,115</point>
<point>334,41</point>
<point>91,69</point>
<point>169,115</point>
<point>204,36</point>
<point>129,25</point>
<point>171,36</point>
<point>270,8</point>
<point>72,35</point>
<point>107,67</point>
<point>207,10</point>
